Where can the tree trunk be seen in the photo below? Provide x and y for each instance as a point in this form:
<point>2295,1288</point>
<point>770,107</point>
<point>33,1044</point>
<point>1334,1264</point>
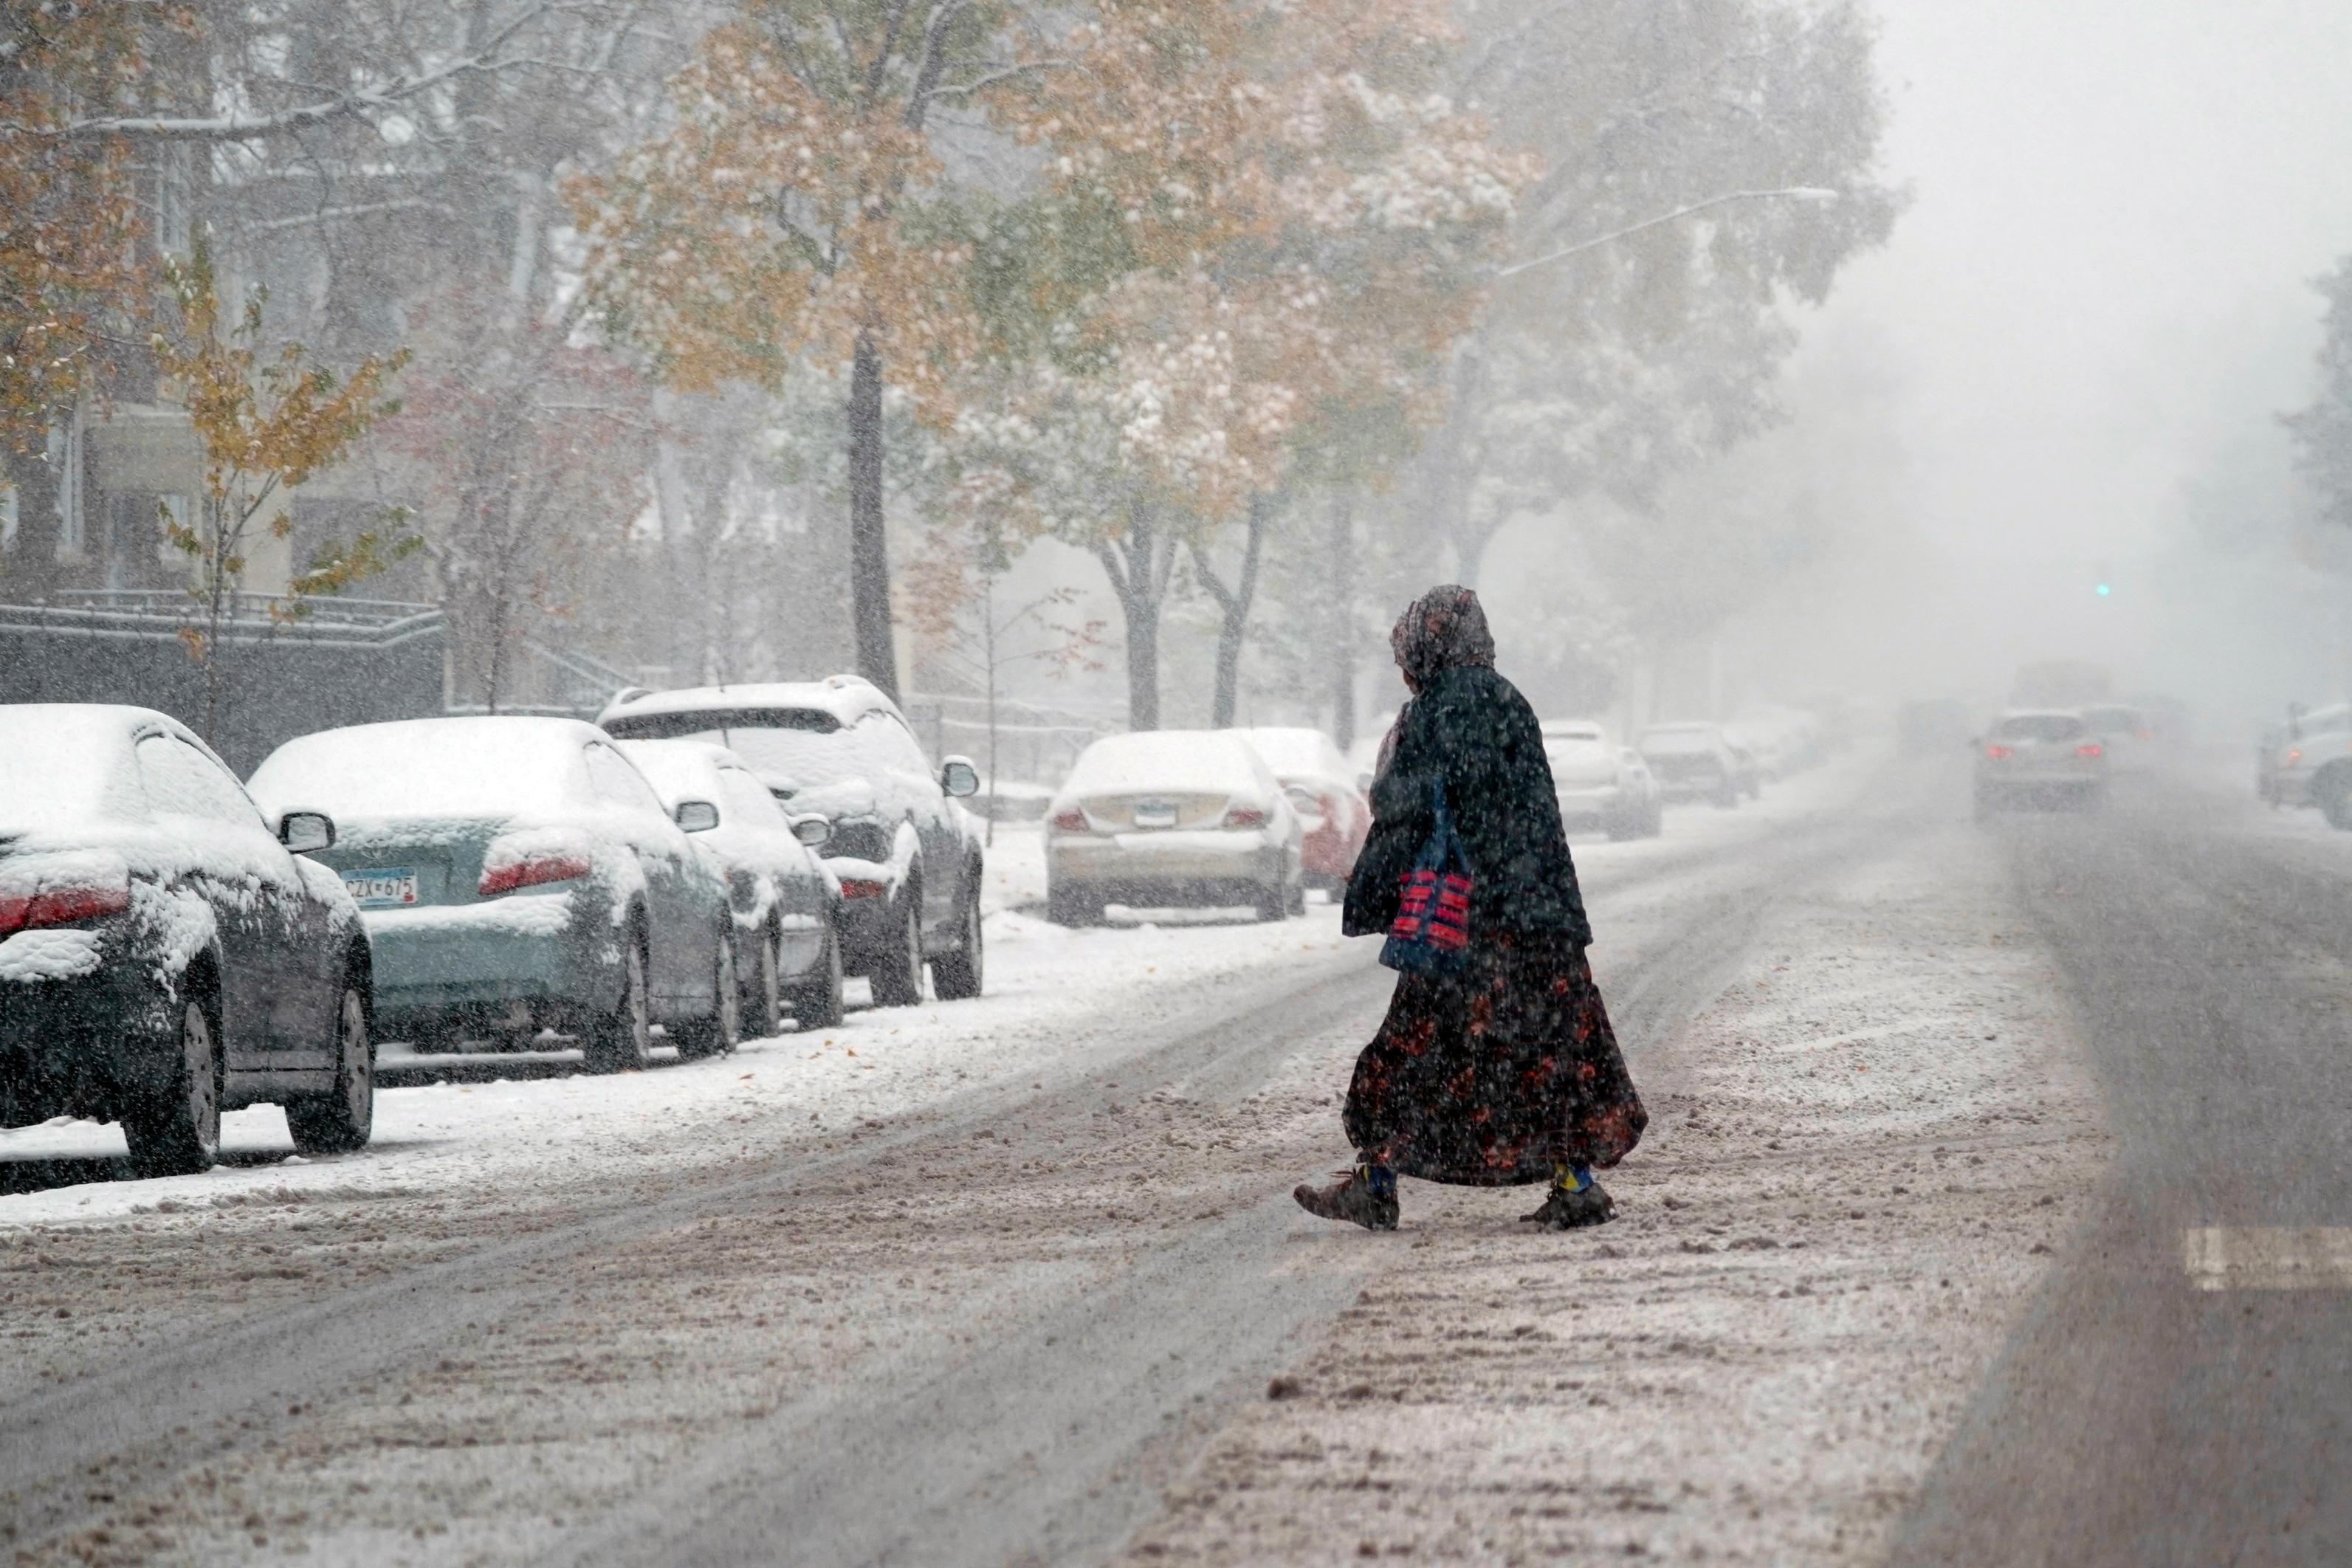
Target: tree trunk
<point>1339,545</point>
<point>869,548</point>
<point>1235,602</point>
<point>1139,578</point>
<point>32,565</point>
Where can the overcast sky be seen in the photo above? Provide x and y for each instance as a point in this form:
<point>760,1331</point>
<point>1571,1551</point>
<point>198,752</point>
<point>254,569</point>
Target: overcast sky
<point>2103,281</point>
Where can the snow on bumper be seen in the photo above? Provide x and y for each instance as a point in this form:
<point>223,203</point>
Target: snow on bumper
<point>523,947</point>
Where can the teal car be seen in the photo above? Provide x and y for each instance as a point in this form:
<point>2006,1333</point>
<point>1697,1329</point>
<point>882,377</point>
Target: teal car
<point>517,874</point>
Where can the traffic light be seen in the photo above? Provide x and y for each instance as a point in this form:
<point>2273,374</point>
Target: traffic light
<point>2103,582</point>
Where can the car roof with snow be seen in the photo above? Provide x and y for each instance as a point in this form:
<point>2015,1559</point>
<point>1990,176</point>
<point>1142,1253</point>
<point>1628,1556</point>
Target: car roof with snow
<point>1206,761</point>
<point>67,762</point>
<point>466,765</point>
<point>846,698</point>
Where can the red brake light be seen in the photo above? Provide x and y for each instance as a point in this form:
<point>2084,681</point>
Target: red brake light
<point>2090,749</point>
<point>61,906</point>
<point>507,877</point>
<point>1244,817</point>
<point>861,887</point>
<point>1997,753</point>
<point>1070,821</point>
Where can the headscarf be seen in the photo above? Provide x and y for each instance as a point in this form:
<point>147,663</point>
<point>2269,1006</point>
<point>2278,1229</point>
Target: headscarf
<point>1444,629</point>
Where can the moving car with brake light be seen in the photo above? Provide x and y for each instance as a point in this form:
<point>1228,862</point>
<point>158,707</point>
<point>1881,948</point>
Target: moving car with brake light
<point>907,852</point>
<point>1600,782</point>
<point>166,952</point>
<point>1692,760</point>
<point>519,874</point>
<point>2040,757</point>
<point>785,899</point>
<point>2309,762</point>
<point>2128,733</point>
<point>1172,817</point>
<point>1334,816</point>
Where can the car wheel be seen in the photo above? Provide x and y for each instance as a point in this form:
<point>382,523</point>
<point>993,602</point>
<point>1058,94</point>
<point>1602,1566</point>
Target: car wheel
<point>817,1004</point>
<point>722,1031</point>
<point>766,991</point>
<point>2334,792</point>
<point>1068,907</point>
<point>623,1041</point>
<point>174,1131</point>
<point>1273,902</point>
<point>897,979</point>
<point>957,976</point>
<point>340,1121</point>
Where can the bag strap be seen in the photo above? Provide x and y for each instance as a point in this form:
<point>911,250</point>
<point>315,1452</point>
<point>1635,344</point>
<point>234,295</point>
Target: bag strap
<point>1455,852</point>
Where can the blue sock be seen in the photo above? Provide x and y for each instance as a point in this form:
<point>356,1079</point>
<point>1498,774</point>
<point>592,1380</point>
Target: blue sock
<point>1570,1177</point>
<point>1379,1178</point>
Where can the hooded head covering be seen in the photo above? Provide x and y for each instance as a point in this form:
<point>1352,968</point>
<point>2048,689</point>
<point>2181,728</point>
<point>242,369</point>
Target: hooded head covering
<point>1444,629</point>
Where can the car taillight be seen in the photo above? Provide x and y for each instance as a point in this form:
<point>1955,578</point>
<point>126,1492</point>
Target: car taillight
<point>506,876</point>
<point>2090,749</point>
<point>2295,756</point>
<point>862,888</point>
<point>1998,753</point>
<point>1070,821</point>
<point>61,906</point>
<point>1244,817</point>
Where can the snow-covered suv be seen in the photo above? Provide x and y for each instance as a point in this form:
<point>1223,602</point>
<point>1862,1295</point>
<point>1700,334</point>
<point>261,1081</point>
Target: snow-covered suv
<point>2310,763</point>
<point>908,855</point>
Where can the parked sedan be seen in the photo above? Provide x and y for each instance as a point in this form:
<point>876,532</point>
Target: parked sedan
<point>518,874</point>
<point>1334,816</point>
<point>2040,757</point>
<point>785,899</point>
<point>1600,782</point>
<point>908,856</point>
<point>1172,817</point>
<point>1694,761</point>
<point>164,951</point>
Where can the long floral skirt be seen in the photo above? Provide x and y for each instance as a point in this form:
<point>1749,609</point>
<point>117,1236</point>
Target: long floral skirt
<point>1484,1078</point>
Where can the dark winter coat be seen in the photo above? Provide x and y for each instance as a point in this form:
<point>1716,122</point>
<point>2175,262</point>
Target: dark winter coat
<point>1470,728</point>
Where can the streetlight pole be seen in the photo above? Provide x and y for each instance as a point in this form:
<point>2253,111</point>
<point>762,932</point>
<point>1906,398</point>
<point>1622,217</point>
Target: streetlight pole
<point>1791,193</point>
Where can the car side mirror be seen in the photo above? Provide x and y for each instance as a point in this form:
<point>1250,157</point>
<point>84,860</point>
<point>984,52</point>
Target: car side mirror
<point>697,816</point>
<point>958,778</point>
<point>306,832</point>
<point>812,831</point>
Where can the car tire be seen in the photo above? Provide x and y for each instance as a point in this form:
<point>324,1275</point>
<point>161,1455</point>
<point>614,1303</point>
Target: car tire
<point>897,977</point>
<point>1069,907</point>
<point>764,989</point>
<point>957,976</point>
<point>174,1128</point>
<point>722,1031</point>
<point>622,1039</point>
<point>340,1122</point>
<point>1273,903</point>
<point>2334,792</point>
<point>816,1003</point>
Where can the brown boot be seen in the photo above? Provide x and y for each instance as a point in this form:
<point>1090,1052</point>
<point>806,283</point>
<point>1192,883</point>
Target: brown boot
<point>1566,1210</point>
<point>1350,1198</point>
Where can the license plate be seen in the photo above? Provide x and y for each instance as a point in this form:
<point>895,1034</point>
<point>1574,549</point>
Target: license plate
<point>389,888</point>
<point>1155,813</point>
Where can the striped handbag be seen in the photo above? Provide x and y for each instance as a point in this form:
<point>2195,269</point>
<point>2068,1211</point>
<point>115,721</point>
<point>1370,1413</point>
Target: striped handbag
<point>1430,934</point>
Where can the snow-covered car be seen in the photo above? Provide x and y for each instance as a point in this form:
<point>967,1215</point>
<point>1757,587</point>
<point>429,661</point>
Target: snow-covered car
<point>2127,732</point>
<point>1692,760</point>
<point>786,899</point>
<point>164,951</point>
<point>2038,756</point>
<point>907,852</point>
<point>518,874</point>
<point>1600,782</point>
<point>1334,816</point>
<point>2309,762</point>
<point>1164,817</point>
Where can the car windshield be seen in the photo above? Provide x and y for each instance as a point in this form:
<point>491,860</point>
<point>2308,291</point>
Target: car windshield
<point>1572,748</point>
<point>2046,727</point>
<point>1177,761</point>
<point>429,768</point>
<point>807,746</point>
<point>2112,720</point>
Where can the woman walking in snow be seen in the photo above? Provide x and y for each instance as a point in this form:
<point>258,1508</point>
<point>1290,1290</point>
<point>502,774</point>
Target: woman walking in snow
<point>1504,1072</point>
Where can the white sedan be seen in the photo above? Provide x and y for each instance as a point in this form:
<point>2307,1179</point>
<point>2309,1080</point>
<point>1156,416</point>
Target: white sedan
<point>1172,817</point>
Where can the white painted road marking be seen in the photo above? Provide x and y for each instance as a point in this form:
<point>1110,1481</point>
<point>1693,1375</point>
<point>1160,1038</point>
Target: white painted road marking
<point>2269,1257</point>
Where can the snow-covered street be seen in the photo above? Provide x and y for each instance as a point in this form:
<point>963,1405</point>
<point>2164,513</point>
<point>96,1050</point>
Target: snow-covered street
<point>1019,1278</point>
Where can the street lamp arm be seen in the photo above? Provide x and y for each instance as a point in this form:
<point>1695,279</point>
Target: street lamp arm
<point>1792,193</point>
